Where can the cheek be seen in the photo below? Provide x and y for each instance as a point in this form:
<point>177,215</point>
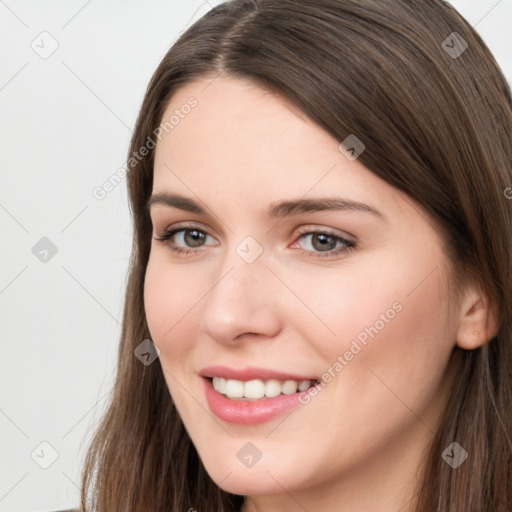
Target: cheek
<point>389,318</point>
<point>402,345</point>
<point>419,342</point>
<point>347,304</point>
<point>168,304</point>
<point>170,315</point>
<point>157,304</point>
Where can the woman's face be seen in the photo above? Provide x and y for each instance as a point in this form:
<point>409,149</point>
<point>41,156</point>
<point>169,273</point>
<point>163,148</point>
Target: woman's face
<point>292,263</point>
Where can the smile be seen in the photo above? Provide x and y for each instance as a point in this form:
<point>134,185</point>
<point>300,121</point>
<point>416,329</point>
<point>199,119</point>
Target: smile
<point>258,389</point>
<point>252,396</point>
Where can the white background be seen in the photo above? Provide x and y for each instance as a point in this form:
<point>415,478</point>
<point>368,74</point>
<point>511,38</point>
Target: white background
<point>65,125</point>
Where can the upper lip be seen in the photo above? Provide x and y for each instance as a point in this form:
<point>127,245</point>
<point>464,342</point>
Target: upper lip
<point>251,373</point>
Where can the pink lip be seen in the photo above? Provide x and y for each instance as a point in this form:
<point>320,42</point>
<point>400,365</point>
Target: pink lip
<point>248,412</point>
<point>251,373</point>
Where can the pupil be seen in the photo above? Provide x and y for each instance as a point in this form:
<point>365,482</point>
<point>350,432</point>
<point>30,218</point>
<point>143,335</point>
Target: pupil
<point>324,243</point>
<point>195,237</point>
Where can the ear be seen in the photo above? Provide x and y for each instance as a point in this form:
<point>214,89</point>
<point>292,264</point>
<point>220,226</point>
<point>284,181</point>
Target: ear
<point>478,319</point>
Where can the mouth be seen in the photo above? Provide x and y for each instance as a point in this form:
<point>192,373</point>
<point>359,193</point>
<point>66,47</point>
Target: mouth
<point>252,396</point>
<point>259,389</point>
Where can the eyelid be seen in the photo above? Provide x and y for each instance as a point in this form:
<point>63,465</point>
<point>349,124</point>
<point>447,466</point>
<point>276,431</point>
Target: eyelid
<point>332,254</point>
<point>186,225</point>
<point>181,226</point>
<point>309,228</point>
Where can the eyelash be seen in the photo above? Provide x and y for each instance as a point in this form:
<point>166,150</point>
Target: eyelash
<point>348,245</point>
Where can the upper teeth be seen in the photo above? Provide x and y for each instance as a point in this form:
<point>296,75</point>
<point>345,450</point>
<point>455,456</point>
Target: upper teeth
<point>257,388</point>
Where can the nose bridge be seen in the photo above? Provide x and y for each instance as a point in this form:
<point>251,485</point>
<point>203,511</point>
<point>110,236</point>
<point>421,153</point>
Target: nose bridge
<point>236,283</point>
<point>239,300</point>
<point>243,267</point>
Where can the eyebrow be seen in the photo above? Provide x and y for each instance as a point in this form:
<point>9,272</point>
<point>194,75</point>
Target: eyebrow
<point>277,209</point>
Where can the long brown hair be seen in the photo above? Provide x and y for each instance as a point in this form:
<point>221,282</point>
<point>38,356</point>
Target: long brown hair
<point>435,116</point>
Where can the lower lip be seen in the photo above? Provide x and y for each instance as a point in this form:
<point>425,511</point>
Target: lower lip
<point>248,412</point>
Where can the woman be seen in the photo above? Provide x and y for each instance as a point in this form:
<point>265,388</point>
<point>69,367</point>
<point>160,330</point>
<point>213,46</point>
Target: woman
<point>318,308</point>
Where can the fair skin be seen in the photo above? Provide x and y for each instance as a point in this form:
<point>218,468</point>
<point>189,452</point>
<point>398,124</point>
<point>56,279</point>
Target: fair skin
<point>358,444</point>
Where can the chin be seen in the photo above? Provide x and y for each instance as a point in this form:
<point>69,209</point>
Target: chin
<point>267,476</point>
<point>250,482</point>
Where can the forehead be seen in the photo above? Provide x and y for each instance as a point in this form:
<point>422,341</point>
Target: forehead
<point>238,130</point>
<point>244,120</point>
<point>248,146</point>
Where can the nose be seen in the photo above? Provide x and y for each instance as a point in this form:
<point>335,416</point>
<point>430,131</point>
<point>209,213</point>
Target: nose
<point>242,303</point>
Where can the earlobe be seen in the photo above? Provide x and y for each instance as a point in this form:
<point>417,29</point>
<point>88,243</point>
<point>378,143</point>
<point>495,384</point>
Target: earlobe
<point>478,320</point>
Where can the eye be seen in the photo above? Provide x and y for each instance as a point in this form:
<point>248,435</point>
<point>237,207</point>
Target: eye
<point>319,243</point>
<point>184,239</point>
<point>324,243</point>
